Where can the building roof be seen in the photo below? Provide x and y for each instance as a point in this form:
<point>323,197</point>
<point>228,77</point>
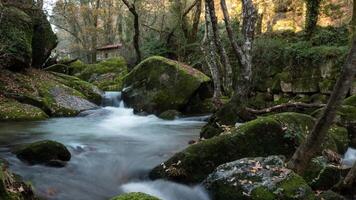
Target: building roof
<point>109,47</point>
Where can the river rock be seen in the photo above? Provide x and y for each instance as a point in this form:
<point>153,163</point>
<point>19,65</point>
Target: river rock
<point>55,94</point>
<point>44,152</point>
<point>257,178</point>
<point>12,187</point>
<point>135,196</point>
<point>278,134</point>
<point>158,84</point>
<point>170,114</point>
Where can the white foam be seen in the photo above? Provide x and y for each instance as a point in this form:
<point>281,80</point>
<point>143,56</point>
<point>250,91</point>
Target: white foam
<point>166,190</point>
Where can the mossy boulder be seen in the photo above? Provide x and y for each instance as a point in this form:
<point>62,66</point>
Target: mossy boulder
<point>170,114</point>
<point>323,175</point>
<point>11,110</point>
<point>135,196</point>
<point>12,187</point>
<point>56,94</point>
<point>158,84</point>
<point>16,38</point>
<point>108,75</point>
<point>257,179</point>
<point>278,134</point>
<point>44,40</point>
<point>28,38</point>
<point>45,152</point>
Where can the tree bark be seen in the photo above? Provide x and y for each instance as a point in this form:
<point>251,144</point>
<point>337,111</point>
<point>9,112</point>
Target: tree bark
<point>196,21</point>
<point>210,56</point>
<point>136,37</point>
<point>242,52</point>
<point>220,49</point>
<point>312,16</point>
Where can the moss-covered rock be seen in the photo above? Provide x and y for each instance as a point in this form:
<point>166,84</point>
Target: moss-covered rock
<point>278,134</point>
<point>11,110</point>
<point>15,39</point>
<point>158,84</point>
<point>108,75</point>
<point>44,152</point>
<point>322,175</point>
<point>170,114</point>
<point>28,38</point>
<point>44,40</point>
<point>12,186</point>
<point>257,179</point>
<point>135,196</point>
<point>56,94</point>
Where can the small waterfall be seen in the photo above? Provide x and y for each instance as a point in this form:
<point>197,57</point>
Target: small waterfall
<point>112,99</point>
<point>349,157</point>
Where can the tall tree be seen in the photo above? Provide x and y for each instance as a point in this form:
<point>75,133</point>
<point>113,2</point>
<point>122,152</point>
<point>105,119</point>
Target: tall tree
<point>242,52</point>
<point>311,146</point>
<point>136,37</point>
<point>224,59</point>
<point>312,15</point>
<point>208,47</point>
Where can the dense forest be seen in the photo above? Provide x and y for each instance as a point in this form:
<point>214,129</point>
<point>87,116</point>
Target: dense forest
<point>177,99</point>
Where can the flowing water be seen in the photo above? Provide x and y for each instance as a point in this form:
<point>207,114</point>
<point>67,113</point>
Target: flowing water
<point>112,152</point>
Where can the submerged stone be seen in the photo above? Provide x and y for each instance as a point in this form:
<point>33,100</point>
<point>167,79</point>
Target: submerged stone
<point>257,179</point>
<point>170,114</point>
<point>44,152</point>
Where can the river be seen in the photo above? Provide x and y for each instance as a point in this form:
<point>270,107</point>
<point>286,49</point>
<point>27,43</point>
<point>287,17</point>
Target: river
<point>112,152</point>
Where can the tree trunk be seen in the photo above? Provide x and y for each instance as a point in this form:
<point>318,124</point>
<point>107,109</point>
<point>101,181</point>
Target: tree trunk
<point>136,38</point>
<point>353,20</point>
<point>312,16</point>
<point>220,49</point>
<point>243,53</point>
<point>210,56</point>
<point>196,21</point>
<point>309,148</point>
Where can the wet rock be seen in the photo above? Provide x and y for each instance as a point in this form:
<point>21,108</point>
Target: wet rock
<point>135,196</point>
<point>257,178</point>
<point>12,187</point>
<point>170,114</point>
<point>278,134</point>
<point>45,152</point>
<point>158,84</point>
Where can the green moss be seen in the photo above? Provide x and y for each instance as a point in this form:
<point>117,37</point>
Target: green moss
<point>42,152</point>
<point>294,187</point>
<point>262,193</point>
<point>350,101</point>
<point>158,84</point>
<point>16,38</point>
<point>135,196</point>
<point>14,111</point>
<point>169,114</point>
